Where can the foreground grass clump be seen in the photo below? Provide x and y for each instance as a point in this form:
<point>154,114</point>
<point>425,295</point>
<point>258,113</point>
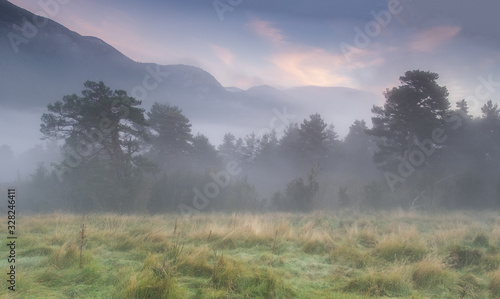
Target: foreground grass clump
<point>404,245</point>
<point>275,255</point>
<point>156,280</point>
<point>242,278</point>
<point>374,283</point>
<point>431,274</point>
<point>494,286</point>
<point>461,257</point>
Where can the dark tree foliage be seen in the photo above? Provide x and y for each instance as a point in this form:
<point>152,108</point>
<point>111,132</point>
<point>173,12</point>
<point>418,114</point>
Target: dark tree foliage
<point>289,142</point>
<point>411,111</point>
<point>173,130</point>
<point>102,123</point>
<point>203,153</point>
<point>313,136</point>
<point>103,131</point>
<point>229,147</point>
<point>171,137</point>
<point>491,113</point>
<point>357,142</point>
<point>268,149</point>
<point>312,142</point>
<point>299,194</point>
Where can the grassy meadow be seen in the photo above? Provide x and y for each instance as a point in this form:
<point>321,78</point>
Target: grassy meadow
<point>276,255</point>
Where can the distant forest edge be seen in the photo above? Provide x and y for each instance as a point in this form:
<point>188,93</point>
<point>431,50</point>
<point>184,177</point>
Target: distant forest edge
<point>421,153</point>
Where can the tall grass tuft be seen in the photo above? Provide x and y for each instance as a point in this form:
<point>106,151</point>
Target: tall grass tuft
<point>394,283</point>
<point>460,257</point>
<point>431,273</point>
<point>65,257</point>
<point>156,280</point>
<point>395,247</point>
<point>494,285</point>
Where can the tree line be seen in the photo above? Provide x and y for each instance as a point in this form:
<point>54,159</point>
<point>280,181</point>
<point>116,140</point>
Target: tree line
<point>419,153</point>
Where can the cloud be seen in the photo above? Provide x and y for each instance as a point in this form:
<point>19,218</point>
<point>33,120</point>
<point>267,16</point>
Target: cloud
<point>474,17</point>
<point>223,54</point>
<point>265,30</point>
<point>431,39</point>
<point>310,66</point>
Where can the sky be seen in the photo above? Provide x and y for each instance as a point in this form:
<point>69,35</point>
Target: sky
<point>361,44</point>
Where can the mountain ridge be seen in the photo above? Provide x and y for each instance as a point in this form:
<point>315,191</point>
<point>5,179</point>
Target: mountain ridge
<point>56,61</point>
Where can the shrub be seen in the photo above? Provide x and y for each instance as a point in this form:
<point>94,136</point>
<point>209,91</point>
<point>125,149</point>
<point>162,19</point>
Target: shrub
<point>299,194</point>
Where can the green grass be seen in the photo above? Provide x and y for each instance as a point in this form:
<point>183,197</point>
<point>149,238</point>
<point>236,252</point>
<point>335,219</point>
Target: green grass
<point>319,255</point>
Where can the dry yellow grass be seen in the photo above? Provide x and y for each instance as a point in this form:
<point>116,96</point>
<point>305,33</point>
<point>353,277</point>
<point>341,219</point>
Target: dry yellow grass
<point>339,255</point>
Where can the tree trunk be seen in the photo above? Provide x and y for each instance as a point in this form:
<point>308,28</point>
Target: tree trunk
<point>117,156</point>
<point>410,144</point>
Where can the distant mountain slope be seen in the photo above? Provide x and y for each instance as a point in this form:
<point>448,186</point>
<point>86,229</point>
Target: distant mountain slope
<point>40,65</point>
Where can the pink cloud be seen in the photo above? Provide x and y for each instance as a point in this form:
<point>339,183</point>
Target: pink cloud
<point>223,54</point>
<point>431,39</point>
<point>265,30</point>
<point>310,66</point>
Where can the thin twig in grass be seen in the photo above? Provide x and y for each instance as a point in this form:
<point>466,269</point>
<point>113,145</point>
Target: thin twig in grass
<point>209,234</point>
<point>82,236</point>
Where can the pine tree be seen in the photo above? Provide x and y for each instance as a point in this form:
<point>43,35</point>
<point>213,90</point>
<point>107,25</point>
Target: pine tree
<point>411,111</point>
<point>172,139</point>
<point>104,132</point>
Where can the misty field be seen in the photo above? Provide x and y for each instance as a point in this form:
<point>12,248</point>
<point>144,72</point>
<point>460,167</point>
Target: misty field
<point>275,255</point>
